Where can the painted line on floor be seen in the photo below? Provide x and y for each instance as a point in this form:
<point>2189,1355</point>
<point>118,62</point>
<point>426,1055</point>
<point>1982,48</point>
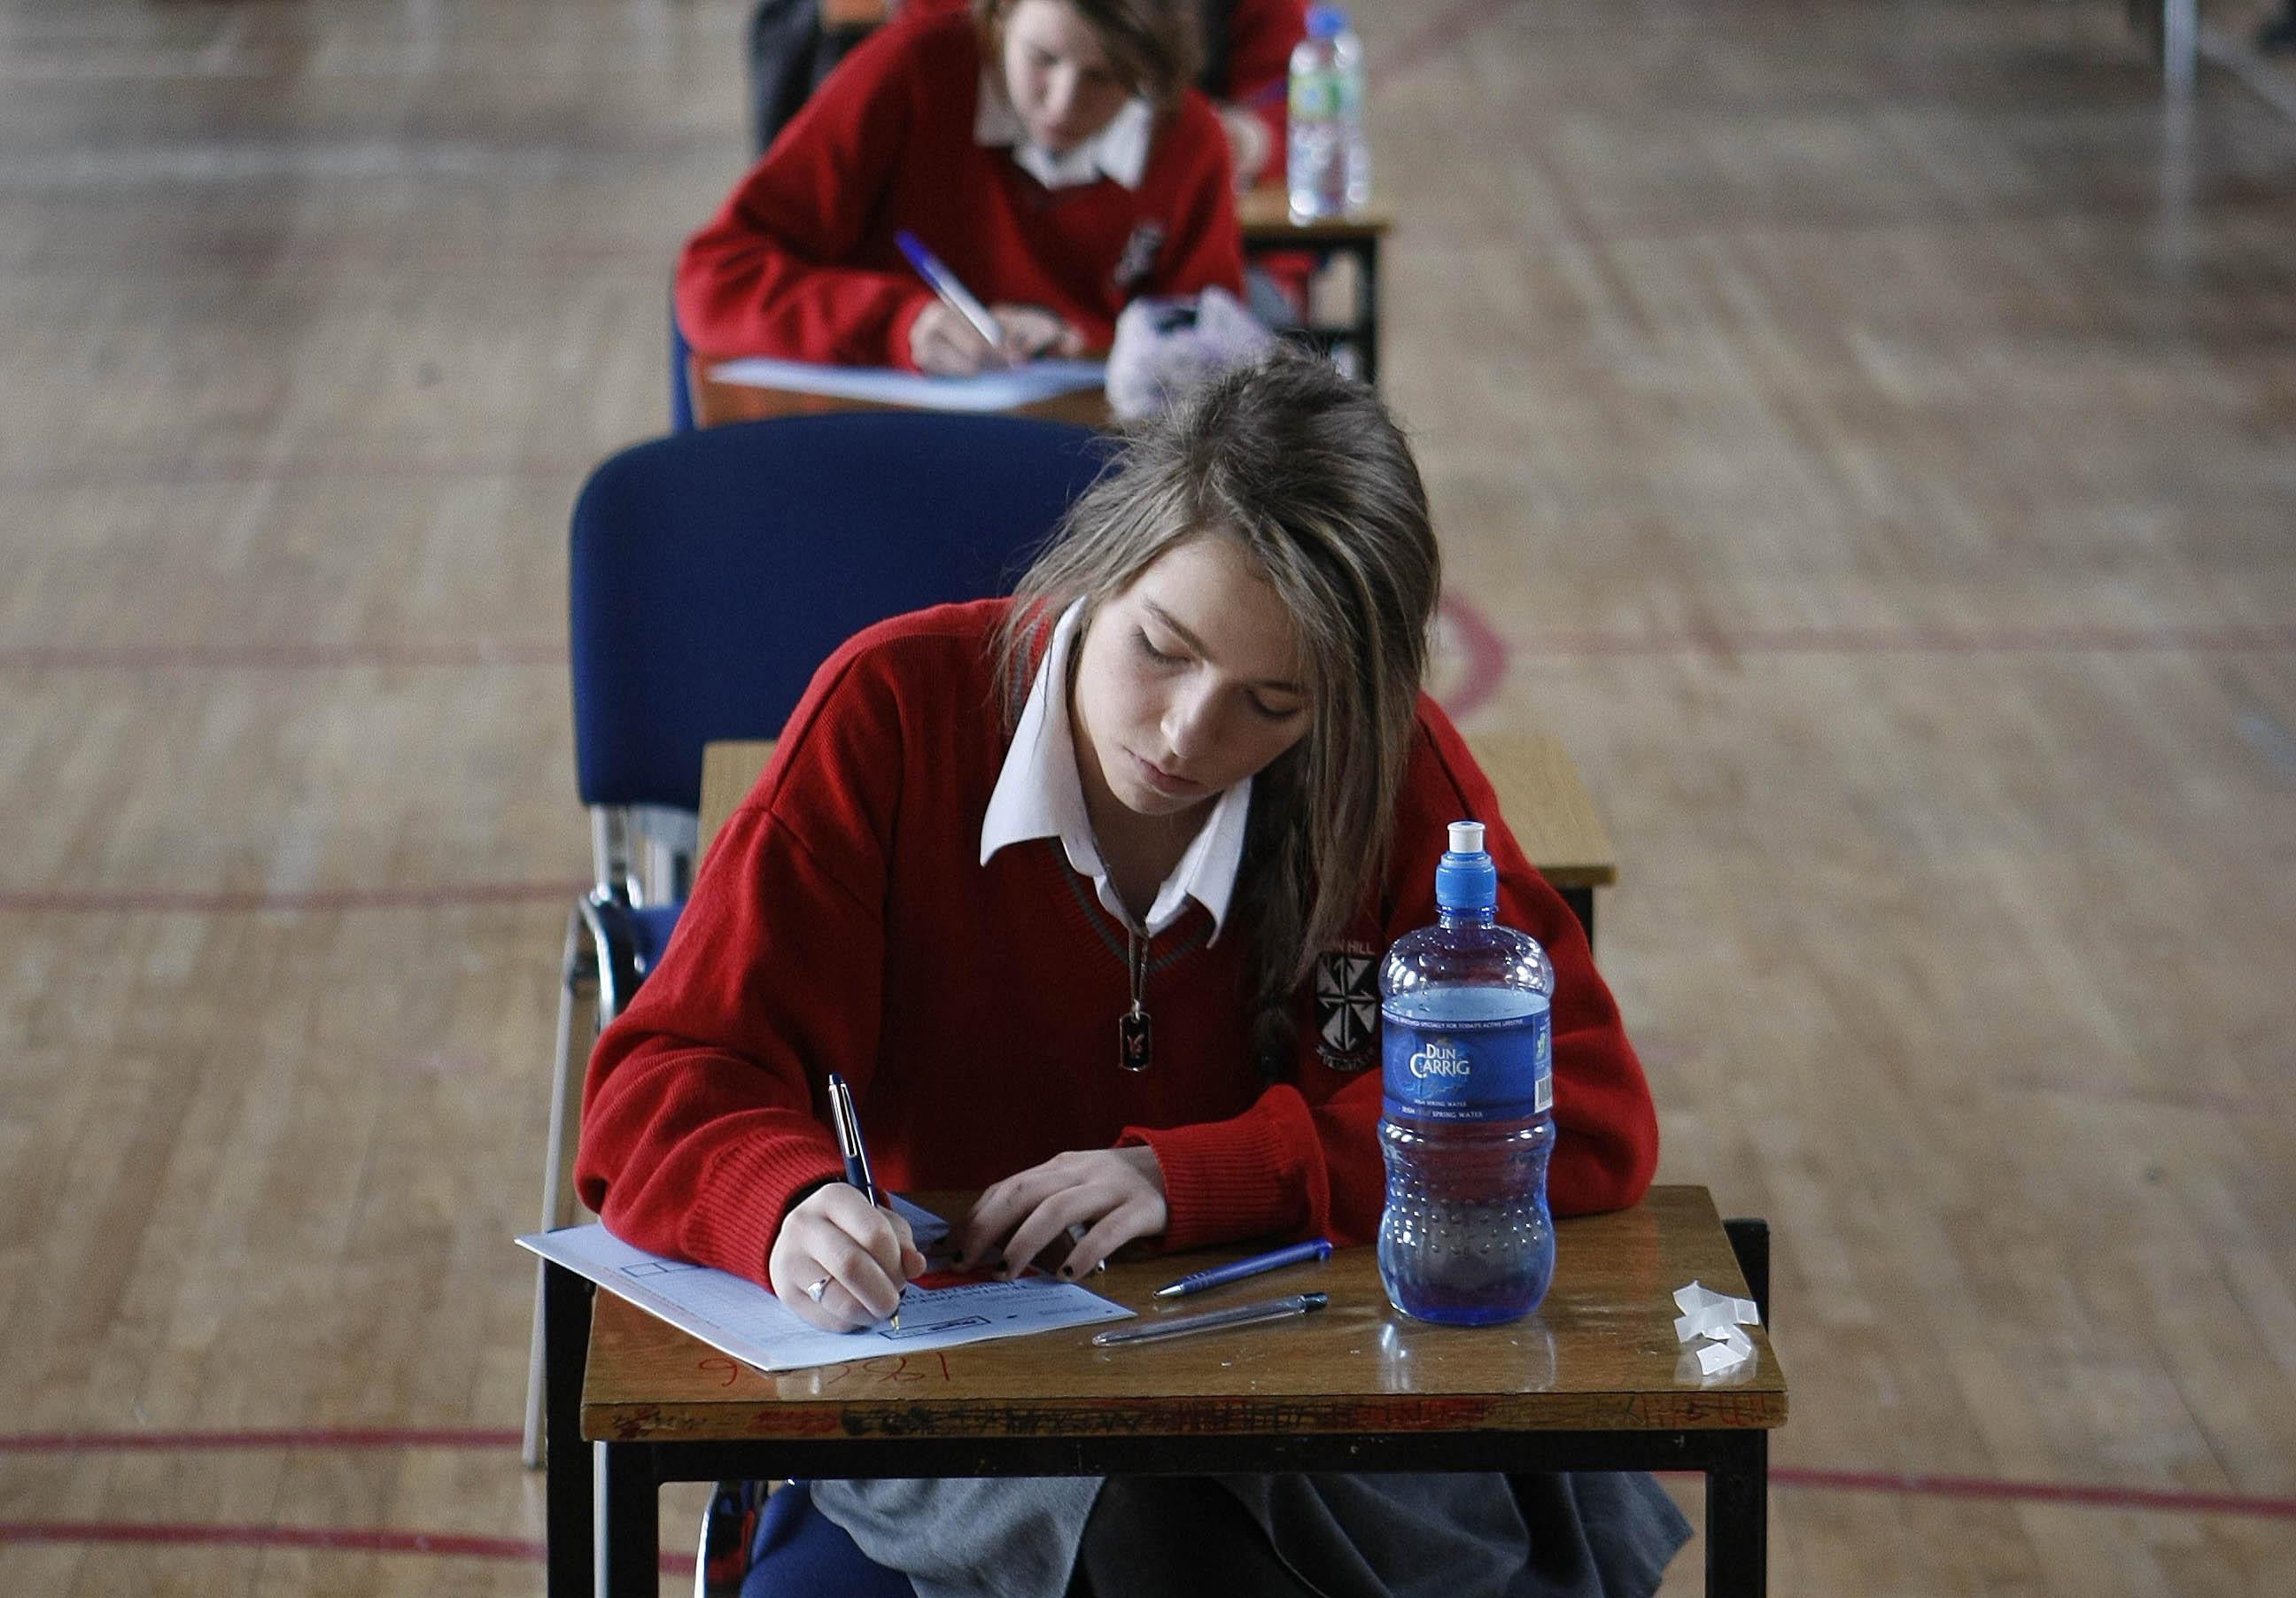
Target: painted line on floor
<point>1791,1477</point>
<point>457,896</point>
<point>280,656</point>
<point>341,1437</point>
<point>332,1539</point>
<point>1488,653</point>
<point>2071,1494</point>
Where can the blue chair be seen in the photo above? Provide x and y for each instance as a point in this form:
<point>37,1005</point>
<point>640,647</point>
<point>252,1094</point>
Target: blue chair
<point>710,572</point>
<point>681,390</point>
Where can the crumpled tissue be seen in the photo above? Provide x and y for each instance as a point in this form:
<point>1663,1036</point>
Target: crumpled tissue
<point>1717,1317</point>
<point>1166,345</point>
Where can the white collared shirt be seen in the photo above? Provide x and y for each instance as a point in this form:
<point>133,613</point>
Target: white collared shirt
<point>1038,794</point>
<point>1119,150</point>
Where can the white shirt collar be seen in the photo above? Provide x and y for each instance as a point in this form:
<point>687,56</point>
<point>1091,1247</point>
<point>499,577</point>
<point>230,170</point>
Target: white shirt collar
<point>1038,794</point>
<point>1119,150</point>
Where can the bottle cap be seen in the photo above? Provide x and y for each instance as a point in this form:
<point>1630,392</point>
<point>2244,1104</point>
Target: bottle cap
<point>1326,21</point>
<point>1465,879</point>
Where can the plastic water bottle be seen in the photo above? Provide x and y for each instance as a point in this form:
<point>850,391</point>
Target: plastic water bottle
<point>1326,162</point>
<point>1468,1070</point>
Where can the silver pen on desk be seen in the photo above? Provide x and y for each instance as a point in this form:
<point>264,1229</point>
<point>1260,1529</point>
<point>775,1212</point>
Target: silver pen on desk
<point>848,1126</point>
<point>1213,1320</point>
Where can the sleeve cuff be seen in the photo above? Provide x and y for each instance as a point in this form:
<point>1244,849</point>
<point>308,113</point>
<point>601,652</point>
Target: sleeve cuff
<point>751,1187</point>
<point>1230,1179</point>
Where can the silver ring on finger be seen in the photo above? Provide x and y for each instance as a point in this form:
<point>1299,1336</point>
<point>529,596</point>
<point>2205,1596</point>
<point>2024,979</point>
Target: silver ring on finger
<point>813,1289</point>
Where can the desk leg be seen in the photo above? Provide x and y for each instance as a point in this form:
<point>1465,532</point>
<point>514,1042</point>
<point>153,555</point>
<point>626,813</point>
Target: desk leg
<point>1738,1518</point>
<point>565,1351</point>
<point>1581,901</point>
<point>1367,310</point>
<point>629,1522</point>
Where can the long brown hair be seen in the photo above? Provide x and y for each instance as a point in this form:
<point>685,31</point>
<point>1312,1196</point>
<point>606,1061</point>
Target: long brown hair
<point>1307,471</point>
<point>1154,46</point>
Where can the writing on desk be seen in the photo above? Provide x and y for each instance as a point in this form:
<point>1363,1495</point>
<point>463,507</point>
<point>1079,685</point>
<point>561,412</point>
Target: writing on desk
<point>1189,1417</point>
<point>1663,1411</point>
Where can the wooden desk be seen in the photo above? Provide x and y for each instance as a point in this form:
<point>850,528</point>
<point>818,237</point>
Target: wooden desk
<point>715,402</point>
<point>1265,217</point>
<point>1540,794</point>
<point>1595,1381</point>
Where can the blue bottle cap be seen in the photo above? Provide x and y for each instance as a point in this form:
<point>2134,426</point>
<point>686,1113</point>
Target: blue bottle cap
<point>1326,21</point>
<point>1465,880</point>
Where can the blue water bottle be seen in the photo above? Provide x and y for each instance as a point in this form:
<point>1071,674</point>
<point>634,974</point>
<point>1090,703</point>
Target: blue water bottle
<point>1467,1059</point>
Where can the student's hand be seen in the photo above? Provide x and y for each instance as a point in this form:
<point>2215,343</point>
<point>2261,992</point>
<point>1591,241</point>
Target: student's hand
<point>1115,1194</point>
<point>944,344</point>
<point>1248,144</point>
<point>866,1253</point>
<point>1032,331</point>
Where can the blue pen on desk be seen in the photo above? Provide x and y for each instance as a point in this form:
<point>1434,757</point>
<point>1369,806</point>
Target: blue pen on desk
<point>953,293</point>
<point>848,1126</point>
<point>1219,1276</point>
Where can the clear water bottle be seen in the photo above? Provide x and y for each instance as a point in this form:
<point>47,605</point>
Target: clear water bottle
<point>1468,1071</point>
<point>1326,162</point>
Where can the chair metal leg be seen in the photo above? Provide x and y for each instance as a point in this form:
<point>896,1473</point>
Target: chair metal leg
<point>578,992</point>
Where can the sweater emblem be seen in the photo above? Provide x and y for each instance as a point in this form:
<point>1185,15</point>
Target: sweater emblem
<point>1347,1006</point>
<point>1138,258</point>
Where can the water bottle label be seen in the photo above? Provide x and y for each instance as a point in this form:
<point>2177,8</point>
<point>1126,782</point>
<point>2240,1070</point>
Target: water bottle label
<point>1469,1071</point>
<point>1315,95</point>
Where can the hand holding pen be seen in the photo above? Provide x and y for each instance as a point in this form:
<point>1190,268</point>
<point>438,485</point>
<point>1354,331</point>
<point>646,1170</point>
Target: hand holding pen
<point>957,335</point>
<point>840,1260</point>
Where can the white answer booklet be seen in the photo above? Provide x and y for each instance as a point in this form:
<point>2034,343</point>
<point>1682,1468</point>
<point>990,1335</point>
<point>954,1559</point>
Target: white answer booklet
<point>943,1310</point>
<point>998,388</point>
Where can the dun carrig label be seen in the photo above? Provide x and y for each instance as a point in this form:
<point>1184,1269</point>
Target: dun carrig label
<point>1468,1070</point>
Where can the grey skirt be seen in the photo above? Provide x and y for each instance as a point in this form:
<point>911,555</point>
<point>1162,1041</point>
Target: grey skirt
<point>1474,1534</point>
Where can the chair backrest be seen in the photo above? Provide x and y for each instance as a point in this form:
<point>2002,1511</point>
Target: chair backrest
<point>681,391</point>
<point>711,572</point>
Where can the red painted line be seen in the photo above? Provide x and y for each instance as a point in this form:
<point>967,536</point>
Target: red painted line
<point>1487,662</point>
<point>446,1545</point>
<point>378,1437</point>
<point>279,657</point>
<point>255,901</point>
<point>1855,640</point>
<point>180,473</point>
<point>1486,652</point>
<point>1806,1478</point>
<point>2079,1495</point>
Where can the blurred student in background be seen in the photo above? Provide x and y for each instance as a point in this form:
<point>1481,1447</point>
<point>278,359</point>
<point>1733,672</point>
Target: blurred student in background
<point>1247,50</point>
<point>1051,153</point>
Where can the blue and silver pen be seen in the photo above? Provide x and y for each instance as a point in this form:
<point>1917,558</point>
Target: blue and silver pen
<point>953,293</point>
<point>1219,1276</point>
<point>848,1126</point>
<point>1212,1320</point>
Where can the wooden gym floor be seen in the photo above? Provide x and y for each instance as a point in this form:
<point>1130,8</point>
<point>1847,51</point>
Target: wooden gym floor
<point>1870,429</point>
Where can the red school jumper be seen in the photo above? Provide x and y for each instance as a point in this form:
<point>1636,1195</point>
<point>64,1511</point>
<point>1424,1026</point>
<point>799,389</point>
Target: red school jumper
<point>799,262</point>
<point>842,922</point>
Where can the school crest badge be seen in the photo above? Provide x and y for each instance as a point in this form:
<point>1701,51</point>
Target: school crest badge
<point>1139,255</point>
<point>1346,1008</point>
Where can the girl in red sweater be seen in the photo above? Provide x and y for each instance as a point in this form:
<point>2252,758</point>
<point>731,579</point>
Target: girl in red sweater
<point>1186,773</point>
<point>1049,151</point>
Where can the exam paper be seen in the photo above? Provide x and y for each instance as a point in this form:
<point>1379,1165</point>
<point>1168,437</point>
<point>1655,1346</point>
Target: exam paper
<point>944,1310</point>
<point>1000,389</point>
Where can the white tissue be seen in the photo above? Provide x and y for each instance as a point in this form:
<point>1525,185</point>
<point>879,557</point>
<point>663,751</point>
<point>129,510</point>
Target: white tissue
<point>1717,1317</point>
<point>1165,347</point>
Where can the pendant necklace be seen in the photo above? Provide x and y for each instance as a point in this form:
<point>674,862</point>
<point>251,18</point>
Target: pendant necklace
<point>1134,1049</point>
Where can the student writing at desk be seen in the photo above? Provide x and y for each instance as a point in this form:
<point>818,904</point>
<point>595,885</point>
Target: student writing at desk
<point>1186,773</point>
<point>1050,152</point>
